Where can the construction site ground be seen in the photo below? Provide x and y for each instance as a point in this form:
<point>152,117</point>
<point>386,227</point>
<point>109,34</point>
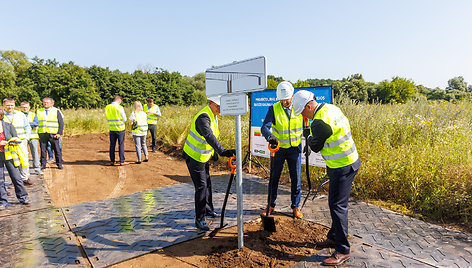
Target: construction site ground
<point>142,215</point>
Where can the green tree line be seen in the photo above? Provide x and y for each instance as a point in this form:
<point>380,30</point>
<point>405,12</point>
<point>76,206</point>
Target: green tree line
<point>73,86</point>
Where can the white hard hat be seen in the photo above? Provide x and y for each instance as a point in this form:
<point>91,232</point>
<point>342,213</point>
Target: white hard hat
<point>215,99</point>
<point>300,99</point>
<point>284,90</point>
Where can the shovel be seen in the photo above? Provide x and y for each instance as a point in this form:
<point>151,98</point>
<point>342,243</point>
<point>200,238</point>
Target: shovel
<point>307,163</point>
<point>267,220</point>
<point>233,170</point>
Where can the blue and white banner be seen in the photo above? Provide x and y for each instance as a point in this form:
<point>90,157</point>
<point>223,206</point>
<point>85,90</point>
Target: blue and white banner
<point>260,103</point>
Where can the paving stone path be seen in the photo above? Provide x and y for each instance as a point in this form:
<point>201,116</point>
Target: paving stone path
<point>114,230</point>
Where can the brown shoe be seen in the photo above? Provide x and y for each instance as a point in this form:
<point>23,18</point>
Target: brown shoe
<point>271,210</point>
<point>328,243</point>
<point>28,182</point>
<point>123,164</point>
<point>297,213</point>
<point>336,259</point>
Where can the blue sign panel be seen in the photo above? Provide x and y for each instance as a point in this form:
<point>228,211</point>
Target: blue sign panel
<point>262,100</point>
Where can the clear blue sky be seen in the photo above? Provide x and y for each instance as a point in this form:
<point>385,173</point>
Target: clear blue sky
<point>426,41</point>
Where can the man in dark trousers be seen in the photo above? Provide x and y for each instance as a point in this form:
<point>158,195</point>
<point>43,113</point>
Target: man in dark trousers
<point>51,128</point>
<point>287,129</point>
<point>199,148</point>
<point>116,118</point>
<point>330,134</point>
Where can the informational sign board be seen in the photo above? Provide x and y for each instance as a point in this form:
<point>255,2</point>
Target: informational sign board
<point>260,103</point>
<point>234,104</point>
<point>239,76</point>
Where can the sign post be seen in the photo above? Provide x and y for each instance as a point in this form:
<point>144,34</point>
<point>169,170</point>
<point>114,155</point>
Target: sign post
<point>232,82</point>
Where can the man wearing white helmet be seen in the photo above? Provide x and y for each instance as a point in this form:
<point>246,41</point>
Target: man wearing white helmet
<point>287,129</point>
<point>330,134</point>
<point>199,148</point>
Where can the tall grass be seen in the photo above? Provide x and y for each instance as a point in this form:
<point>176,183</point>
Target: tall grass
<point>417,155</point>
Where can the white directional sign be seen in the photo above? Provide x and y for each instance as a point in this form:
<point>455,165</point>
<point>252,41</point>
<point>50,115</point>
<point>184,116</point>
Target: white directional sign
<point>239,76</point>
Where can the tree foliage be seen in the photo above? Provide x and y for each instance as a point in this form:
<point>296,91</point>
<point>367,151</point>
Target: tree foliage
<point>73,86</point>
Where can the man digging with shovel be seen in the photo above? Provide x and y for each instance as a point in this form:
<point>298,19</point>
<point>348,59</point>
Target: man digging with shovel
<point>287,129</point>
<point>331,136</point>
<point>199,148</point>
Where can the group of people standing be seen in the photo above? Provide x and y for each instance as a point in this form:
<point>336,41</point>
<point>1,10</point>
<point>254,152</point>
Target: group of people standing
<point>141,120</point>
<point>329,134</point>
<point>20,130</point>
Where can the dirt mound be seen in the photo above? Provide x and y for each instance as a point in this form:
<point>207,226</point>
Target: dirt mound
<point>293,242</point>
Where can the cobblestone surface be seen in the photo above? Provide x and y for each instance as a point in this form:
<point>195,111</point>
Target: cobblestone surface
<point>115,230</point>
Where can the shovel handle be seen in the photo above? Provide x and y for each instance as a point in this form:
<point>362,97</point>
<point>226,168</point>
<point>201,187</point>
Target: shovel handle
<point>230,164</point>
<point>273,150</point>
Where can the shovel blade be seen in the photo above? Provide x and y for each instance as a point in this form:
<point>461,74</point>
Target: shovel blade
<point>268,223</point>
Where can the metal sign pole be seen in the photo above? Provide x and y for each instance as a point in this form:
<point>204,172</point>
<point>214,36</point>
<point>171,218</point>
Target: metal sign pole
<point>239,181</point>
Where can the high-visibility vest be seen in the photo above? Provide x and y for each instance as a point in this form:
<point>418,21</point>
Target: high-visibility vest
<point>34,132</point>
<point>48,123</point>
<point>339,149</point>
<point>151,119</point>
<point>142,125</point>
<point>15,153</point>
<point>115,122</point>
<point>287,130</point>
<point>18,122</point>
<point>196,146</point>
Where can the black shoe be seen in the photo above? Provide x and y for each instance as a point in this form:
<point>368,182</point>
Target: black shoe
<point>26,202</point>
<point>59,166</point>
<point>212,214</point>
<point>137,162</point>
<point>202,225</point>
<point>153,150</point>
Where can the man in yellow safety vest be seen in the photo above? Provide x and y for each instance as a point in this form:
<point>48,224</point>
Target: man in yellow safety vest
<point>330,134</point>
<point>23,130</point>
<point>116,117</point>
<point>33,142</point>
<point>152,111</point>
<point>50,129</point>
<point>286,129</point>
<point>201,146</point>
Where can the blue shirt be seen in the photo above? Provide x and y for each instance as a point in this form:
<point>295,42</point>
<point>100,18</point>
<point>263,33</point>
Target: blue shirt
<point>35,122</point>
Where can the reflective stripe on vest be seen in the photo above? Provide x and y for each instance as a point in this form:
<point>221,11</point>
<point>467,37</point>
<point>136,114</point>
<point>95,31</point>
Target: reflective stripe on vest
<point>339,149</point>
<point>48,123</point>
<point>287,130</point>
<point>141,118</point>
<point>115,122</point>
<point>15,153</point>
<point>196,146</point>
<point>151,119</point>
<point>34,132</point>
<point>18,122</point>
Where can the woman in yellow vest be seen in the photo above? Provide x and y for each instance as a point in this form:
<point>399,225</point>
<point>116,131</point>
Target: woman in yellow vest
<point>7,131</point>
<point>139,128</point>
<point>201,146</point>
<point>287,129</point>
<point>331,136</point>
